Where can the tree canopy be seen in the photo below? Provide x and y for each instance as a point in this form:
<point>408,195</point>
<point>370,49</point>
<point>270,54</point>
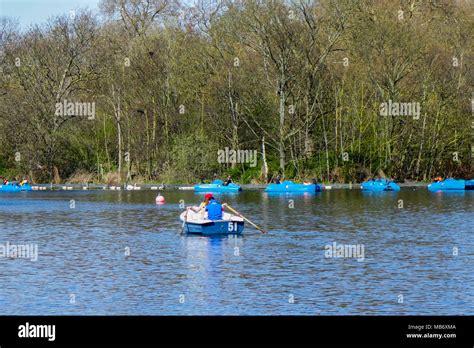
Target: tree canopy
<point>151,90</point>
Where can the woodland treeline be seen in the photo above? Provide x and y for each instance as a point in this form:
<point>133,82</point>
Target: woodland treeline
<point>300,81</point>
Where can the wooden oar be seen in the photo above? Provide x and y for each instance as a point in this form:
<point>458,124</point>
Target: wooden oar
<point>243,217</point>
<point>185,219</point>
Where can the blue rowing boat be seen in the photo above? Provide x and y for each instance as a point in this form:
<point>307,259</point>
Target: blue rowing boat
<point>195,223</point>
<point>379,185</point>
<point>14,187</point>
<point>217,186</point>
<point>290,186</point>
<point>451,185</point>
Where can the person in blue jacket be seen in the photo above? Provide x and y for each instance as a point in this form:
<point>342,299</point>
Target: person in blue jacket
<point>214,209</point>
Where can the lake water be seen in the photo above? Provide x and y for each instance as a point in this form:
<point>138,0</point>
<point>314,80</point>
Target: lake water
<point>110,253</point>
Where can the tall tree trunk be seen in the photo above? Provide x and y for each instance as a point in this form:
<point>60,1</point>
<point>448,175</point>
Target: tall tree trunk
<point>117,113</point>
<point>418,161</point>
<point>281,144</point>
<point>129,140</point>
<point>234,117</point>
<point>326,147</point>
<point>119,140</point>
<point>148,147</point>
<point>264,161</point>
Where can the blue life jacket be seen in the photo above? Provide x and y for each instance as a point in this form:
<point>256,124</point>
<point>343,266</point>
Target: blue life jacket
<point>214,210</point>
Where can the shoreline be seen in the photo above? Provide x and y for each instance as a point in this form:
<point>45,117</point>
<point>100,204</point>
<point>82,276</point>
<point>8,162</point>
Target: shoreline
<point>189,187</point>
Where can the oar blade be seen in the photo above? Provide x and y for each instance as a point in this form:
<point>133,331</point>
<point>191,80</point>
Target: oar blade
<point>246,219</point>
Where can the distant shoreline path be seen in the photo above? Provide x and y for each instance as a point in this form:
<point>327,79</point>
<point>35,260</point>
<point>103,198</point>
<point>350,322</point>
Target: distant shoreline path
<point>158,187</point>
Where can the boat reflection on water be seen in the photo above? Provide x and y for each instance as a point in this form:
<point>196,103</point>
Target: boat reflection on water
<point>380,193</point>
<point>285,195</point>
<point>220,195</point>
<point>451,193</point>
<point>268,196</point>
<point>208,259</point>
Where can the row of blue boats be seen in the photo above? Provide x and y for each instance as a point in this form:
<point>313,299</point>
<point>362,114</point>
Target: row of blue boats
<point>437,186</point>
<point>376,185</point>
<point>231,224</point>
<point>285,186</point>
<point>291,187</point>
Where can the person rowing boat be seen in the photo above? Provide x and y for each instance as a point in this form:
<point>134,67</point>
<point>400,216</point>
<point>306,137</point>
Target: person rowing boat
<point>214,209</point>
<point>211,206</point>
<point>202,207</point>
<point>216,221</point>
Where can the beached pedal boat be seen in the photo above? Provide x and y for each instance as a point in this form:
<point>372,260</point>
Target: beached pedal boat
<point>13,187</point>
<point>451,185</point>
<point>196,223</point>
<point>380,185</point>
<point>290,186</point>
<point>217,186</point>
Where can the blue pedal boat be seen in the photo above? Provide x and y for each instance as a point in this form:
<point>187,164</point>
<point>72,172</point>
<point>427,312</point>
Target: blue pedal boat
<point>217,186</point>
<point>195,223</point>
<point>379,185</point>
<point>451,185</point>
<point>14,187</point>
<point>290,186</point>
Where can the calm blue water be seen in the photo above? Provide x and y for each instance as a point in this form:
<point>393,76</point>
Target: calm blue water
<point>82,255</point>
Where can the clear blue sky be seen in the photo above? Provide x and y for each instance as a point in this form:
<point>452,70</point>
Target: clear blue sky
<point>38,11</point>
